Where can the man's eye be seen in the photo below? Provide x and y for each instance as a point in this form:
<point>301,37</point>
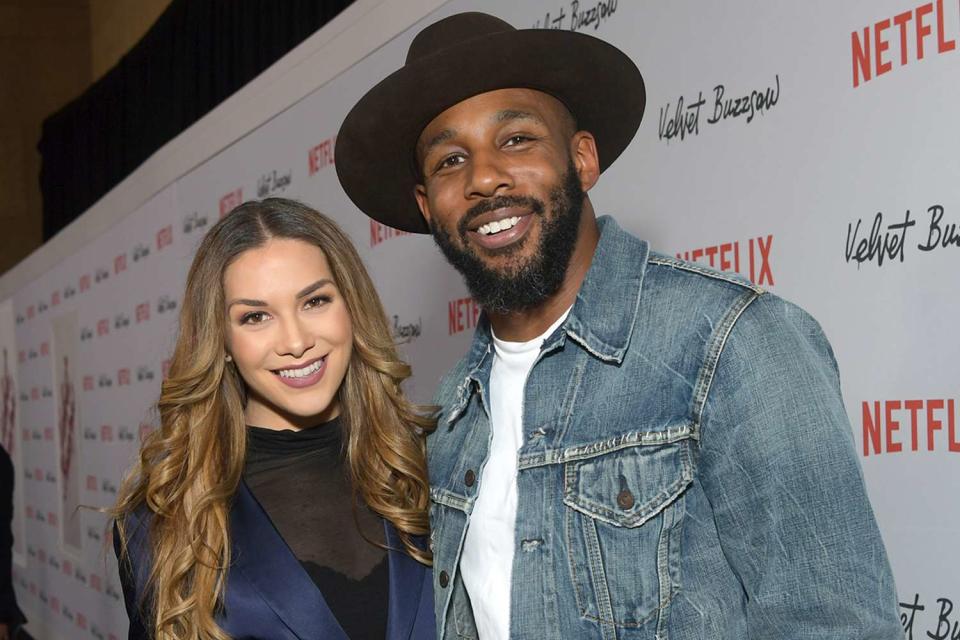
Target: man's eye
<point>517,139</point>
<point>317,301</point>
<point>450,161</point>
<point>254,317</point>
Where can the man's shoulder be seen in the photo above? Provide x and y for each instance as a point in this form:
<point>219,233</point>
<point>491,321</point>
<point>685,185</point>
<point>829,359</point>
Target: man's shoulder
<point>450,383</point>
<point>674,273</point>
<point>681,297</point>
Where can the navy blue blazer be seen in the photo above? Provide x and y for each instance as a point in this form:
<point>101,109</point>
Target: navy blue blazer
<point>270,596</point>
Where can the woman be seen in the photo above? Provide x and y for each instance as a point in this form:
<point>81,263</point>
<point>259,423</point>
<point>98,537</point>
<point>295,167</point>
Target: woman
<point>242,519</point>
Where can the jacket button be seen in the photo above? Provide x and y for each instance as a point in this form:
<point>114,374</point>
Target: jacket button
<point>444,579</point>
<point>625,499</point>
<point>469,477</point>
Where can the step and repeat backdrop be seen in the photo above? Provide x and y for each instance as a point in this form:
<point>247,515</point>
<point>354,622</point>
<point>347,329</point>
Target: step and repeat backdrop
<point>812,147</point>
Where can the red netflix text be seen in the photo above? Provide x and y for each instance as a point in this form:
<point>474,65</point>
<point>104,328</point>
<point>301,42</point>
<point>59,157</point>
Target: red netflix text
<point>463,314</point>
<point>165,237</point>
<point>230,200</point>
<point>893,426</point>
<point>750,259</point>
<point>321,156</point>
<point>380,232</point>
<point>908,32</point>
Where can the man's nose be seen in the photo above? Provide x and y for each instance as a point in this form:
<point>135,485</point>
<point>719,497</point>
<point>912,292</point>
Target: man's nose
<point>488,176</point>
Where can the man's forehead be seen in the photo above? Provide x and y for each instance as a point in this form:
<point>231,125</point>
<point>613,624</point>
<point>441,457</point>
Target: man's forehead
<point>493,106</point>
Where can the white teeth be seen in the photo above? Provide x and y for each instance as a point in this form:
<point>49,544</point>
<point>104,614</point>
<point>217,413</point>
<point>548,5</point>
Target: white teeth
<point>498,225</point>
<point>301,373</point>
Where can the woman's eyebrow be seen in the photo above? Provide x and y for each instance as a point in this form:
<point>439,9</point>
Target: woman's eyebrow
<point>313,287</point>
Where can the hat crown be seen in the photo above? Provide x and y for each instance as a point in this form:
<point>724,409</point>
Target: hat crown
<point>454,30</point>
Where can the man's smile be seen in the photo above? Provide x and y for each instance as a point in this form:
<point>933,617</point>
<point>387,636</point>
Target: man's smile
<point>500,228</point>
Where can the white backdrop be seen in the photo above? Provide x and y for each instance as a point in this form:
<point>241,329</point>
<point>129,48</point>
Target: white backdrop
<point>836,191</point>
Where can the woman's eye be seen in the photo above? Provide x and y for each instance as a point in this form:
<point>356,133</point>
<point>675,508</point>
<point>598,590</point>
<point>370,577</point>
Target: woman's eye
<point>254,317</point>
<point>316,301</point>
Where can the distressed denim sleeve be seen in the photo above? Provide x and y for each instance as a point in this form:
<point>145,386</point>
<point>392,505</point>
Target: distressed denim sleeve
<point>778,464</point>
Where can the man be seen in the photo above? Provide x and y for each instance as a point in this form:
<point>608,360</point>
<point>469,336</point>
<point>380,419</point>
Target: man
<point>634,446</point>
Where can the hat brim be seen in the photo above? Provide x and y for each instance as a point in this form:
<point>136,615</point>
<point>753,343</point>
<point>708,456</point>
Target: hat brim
<point>598,83</point>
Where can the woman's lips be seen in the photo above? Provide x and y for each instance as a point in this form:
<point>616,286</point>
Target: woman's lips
<point>305,381</point>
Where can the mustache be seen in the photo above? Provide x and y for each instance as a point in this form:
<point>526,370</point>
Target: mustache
<point>498,202</point>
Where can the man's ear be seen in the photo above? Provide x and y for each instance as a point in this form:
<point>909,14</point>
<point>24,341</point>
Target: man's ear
<point>583,151</point>
<point>420,193</point>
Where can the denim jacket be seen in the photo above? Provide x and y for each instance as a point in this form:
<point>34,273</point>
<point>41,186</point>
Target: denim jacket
<point>688,470</point>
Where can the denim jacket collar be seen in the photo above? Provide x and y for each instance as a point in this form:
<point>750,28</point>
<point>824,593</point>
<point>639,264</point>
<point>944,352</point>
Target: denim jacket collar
<point>601,320</point>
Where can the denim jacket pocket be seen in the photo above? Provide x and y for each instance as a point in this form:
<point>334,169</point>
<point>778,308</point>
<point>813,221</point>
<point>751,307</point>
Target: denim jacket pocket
<point>624,507</point>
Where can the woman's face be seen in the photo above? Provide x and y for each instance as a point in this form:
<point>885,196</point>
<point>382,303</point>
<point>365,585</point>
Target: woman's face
<point>289,333</point>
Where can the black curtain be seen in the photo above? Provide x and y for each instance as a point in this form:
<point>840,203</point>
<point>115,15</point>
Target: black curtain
<point>196,55</point>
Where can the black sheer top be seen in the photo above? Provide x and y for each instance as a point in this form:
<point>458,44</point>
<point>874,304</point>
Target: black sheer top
<point>301,481</point>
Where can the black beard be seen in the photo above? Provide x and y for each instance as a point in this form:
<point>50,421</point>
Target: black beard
<point>525,284</point>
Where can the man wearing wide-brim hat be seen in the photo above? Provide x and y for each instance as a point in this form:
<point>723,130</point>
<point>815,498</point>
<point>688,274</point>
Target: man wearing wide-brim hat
<point>634,446</point>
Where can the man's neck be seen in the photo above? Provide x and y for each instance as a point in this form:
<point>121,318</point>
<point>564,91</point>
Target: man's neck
<point>521,326</point>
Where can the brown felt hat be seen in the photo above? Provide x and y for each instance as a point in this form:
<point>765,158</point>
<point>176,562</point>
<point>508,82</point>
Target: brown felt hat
<point>462,56</point>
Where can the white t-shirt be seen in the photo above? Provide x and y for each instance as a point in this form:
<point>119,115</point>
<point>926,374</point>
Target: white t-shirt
<point>487,560</point>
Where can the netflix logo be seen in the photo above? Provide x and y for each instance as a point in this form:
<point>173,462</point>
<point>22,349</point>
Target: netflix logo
<point>230,200</point>
<point>750,259</point>
<point>165,237</point>
<point>321,156</point>
<point>911,34</point>
<point>462,315</point>
<point>380,232</point>
<point>894,426</point>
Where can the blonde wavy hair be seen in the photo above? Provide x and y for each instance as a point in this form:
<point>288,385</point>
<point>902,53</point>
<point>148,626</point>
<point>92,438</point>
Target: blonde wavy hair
<point>190,467</point>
